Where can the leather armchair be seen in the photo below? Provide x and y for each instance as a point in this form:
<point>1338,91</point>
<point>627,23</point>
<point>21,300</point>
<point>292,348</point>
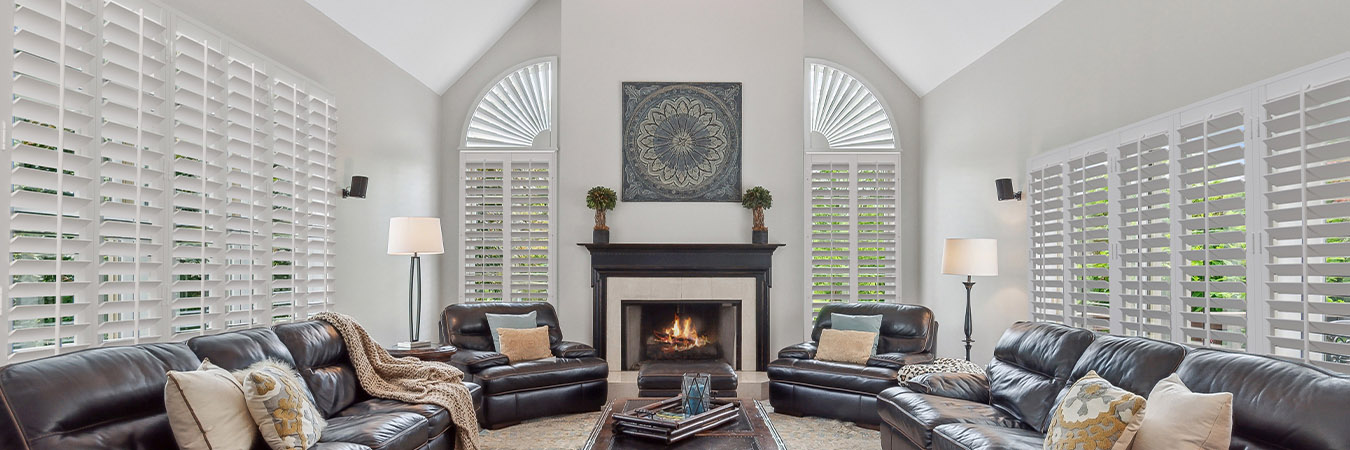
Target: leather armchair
<point>574,380</point>
<point>799,384</point>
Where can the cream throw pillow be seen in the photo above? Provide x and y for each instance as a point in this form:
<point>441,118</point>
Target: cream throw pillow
<point>207,410</point>
<point>526,344</point>
<point>1183,420</point>
<point>1095,415</point>
<point>845,346</point>
<point>281,405</point>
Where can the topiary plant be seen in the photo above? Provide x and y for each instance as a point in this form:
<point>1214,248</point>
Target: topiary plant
<point>601,199</point>
<point>757,199</point>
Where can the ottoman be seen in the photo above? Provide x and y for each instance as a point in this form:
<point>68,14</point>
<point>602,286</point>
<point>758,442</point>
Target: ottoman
<point>662,378</point>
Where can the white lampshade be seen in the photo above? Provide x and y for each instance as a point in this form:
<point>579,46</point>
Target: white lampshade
<point>973,257</point>
<point>420,235</point>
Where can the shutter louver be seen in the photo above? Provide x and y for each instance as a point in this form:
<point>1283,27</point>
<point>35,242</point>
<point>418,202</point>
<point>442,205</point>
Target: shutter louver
<point>508,234</point>
<point>1045,201</point>
<point>1087,243</point>
<point>1213,234</point>
<point>853,246</point>
<point>1145,237</point>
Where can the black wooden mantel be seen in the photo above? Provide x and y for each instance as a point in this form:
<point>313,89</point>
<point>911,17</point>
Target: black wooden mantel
<point>631,260</point>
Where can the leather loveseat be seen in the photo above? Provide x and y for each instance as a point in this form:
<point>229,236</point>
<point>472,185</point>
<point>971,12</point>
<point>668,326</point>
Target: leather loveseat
<point>574,380</point>
<point>113,397</point>
<point>1277,404</point>
<point>800,384</point>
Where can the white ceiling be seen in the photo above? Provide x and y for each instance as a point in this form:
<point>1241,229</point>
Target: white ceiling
<point>925,42</point>
<point>434,40</point>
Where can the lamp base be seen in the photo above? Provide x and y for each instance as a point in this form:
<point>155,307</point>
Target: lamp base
<point>412,345</point>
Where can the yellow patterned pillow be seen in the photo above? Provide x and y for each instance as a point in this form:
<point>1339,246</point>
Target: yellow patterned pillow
<point>1095,415</point>
<point>281,405</point>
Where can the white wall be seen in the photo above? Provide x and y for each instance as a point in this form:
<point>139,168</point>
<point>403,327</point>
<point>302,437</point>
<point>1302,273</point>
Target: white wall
<point>387,130</point>
<point>1084,68</point>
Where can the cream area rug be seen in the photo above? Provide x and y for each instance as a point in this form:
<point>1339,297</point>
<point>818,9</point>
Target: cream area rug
<point>570,432</point>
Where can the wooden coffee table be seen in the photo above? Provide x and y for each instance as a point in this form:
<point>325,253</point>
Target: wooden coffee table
<point>751,430</point>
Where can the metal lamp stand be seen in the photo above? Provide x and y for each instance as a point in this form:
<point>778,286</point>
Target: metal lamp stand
<point>969,284</point>
<point>414,304</point>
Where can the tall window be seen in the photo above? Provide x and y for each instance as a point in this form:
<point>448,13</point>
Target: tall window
<point>852,189</point>
<point>507,186</point>
<point>165,182</point>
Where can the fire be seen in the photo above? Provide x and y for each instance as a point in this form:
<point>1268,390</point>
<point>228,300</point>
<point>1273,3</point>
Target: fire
<point>681,335</point>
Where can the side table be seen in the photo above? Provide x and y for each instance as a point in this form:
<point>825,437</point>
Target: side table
<point>438,354</point>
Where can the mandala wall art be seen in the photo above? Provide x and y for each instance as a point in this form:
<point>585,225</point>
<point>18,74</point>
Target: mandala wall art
<point>681,142</point>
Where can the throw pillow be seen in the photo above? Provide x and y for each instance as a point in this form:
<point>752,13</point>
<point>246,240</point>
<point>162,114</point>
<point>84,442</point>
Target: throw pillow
<point>1180,419</point>
<point>1094,415</point>
<point>281,405</point>
<point>499,321</point>
<point>870,324</point>
<point>206,409</point>
<point>845,346</point>
<point>525,345</point>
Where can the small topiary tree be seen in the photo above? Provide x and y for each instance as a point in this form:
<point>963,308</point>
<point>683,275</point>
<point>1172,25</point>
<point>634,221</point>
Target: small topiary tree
<point>601,199</point>
<point>757,199</point>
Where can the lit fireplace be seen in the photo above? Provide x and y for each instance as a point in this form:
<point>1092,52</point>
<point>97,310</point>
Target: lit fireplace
<point>681,330</point>
<point>681,336</point>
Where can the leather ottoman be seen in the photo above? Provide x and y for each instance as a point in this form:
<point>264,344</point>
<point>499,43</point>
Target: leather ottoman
<point>663,378</point>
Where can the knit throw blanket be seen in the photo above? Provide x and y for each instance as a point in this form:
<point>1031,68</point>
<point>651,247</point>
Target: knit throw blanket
<point>408,379</point>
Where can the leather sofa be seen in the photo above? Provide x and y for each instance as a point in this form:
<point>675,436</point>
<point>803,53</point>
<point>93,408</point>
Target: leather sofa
<point>801,385</point>
<point>1277,404</point>
<point>574,380</point>
<point>113,397</point>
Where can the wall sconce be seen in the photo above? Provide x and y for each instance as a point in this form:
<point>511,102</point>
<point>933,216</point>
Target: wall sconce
<point>358,188</point>
<point>1005,190</point>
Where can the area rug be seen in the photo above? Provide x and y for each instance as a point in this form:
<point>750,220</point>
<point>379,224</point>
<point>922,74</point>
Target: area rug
<point>570,432</point>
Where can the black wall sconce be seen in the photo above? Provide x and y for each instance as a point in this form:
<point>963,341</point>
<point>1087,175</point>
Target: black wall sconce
<point>1005,190</point>
<point>358,188</point>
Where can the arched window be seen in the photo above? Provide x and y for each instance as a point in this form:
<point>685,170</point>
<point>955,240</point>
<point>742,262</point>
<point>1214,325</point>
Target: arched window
<point>507,187</point>
<point>853,185</point>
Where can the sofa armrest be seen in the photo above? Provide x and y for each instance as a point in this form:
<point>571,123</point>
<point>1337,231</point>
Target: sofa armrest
<point>567,349</point>
<point>805,350</point>
<point>474,361</point>
<point>897,360</point>
<point>965,386</point>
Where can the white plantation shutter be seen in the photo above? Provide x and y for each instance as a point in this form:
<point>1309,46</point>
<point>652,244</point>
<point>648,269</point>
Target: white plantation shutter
<point>1045,203</point>
<point>507,233</point>
<point>844,111</point>
<point>517,110</point>
<point>1143,209</point>
<point>852,246</point>
<point>141,194</point>
<point>1307,219</point>
<point>323,196</point>
<point>1087,242</point>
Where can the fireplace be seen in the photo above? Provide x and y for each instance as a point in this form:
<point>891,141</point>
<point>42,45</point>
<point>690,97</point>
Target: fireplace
<point>680,330</point>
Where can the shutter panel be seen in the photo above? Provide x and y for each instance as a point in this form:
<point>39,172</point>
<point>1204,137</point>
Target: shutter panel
<point>516,111</point>
<point>877,229</point>
<point>1045,201</point>
<point>484,228</point>
<point>1307,174</point>
<point>248,219</point>
<point>830,190</point>
<point>531,186</point>
<point>1211,163</point>
<point>1087,243</point>
<point>508,228</point>
<point>853,248</point>
<point>289,206</point>
<point>323,204</point>
<point>1145,237</point>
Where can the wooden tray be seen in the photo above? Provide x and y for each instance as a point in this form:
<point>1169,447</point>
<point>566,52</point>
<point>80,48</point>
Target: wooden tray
<point>642,425</point>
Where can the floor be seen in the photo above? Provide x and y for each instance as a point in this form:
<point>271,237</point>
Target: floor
<point>570,432</point>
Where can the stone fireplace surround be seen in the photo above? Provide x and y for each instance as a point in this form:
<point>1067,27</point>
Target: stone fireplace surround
<point>625,289</point>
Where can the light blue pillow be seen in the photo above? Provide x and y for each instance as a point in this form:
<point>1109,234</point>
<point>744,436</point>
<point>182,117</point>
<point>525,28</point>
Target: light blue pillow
<point>513,321</point>
<point>870,324</point>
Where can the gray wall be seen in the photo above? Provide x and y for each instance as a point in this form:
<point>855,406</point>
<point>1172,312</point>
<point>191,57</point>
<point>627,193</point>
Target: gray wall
<point>1084,68</point>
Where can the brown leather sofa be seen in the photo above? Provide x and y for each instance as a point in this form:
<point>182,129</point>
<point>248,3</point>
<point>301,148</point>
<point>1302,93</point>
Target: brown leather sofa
<point>574,380</point>
<point>801,385</point>
<point>1277,404</point>
<point>113,397</point>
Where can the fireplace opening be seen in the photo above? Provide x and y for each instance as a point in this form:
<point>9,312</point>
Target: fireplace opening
<point>681,330</point>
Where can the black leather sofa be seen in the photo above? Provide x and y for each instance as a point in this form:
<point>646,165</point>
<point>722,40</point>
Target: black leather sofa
<point>1277,404</point>
<point>113,397</point>
<point>573,381</point>
<point>801,385</point>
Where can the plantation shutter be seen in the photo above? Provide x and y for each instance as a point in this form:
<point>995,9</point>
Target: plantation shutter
<point>1213,234</point>
<point>1307,223</point>
<point>1087,243</point>
<point>323,197</point>
<point>1143,209</point>
<point>248,219</point>
<point>1045,201</point>
<point>507,233</point>
<point>853,249</point>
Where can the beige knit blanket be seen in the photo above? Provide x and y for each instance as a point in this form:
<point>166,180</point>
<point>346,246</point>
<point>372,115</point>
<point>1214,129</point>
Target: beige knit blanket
<point>408,379</point>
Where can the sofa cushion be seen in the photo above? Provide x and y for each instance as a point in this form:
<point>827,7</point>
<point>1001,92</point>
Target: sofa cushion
<point>239,349</point>
<point>1132,363</point>
<point>385,431</point>
<point>904,328</point>
<point>540,373</point>
<point>965,436</point>
<point>1032,363</point>
<point>915,415</point>
<point>206,409</point>
<point>438,419</point>
<point>321,357</point>
<point>854,378</point>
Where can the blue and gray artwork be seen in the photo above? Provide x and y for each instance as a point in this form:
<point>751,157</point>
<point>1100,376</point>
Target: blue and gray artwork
<point>681,142</point>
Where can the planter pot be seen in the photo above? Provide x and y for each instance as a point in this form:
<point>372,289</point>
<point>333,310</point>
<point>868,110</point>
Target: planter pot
<point>600,236</point>
<point>759,236</point>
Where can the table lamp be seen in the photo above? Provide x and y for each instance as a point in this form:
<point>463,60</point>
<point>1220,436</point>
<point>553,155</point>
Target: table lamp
<point>415,236</point>
<point>972,258</point>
